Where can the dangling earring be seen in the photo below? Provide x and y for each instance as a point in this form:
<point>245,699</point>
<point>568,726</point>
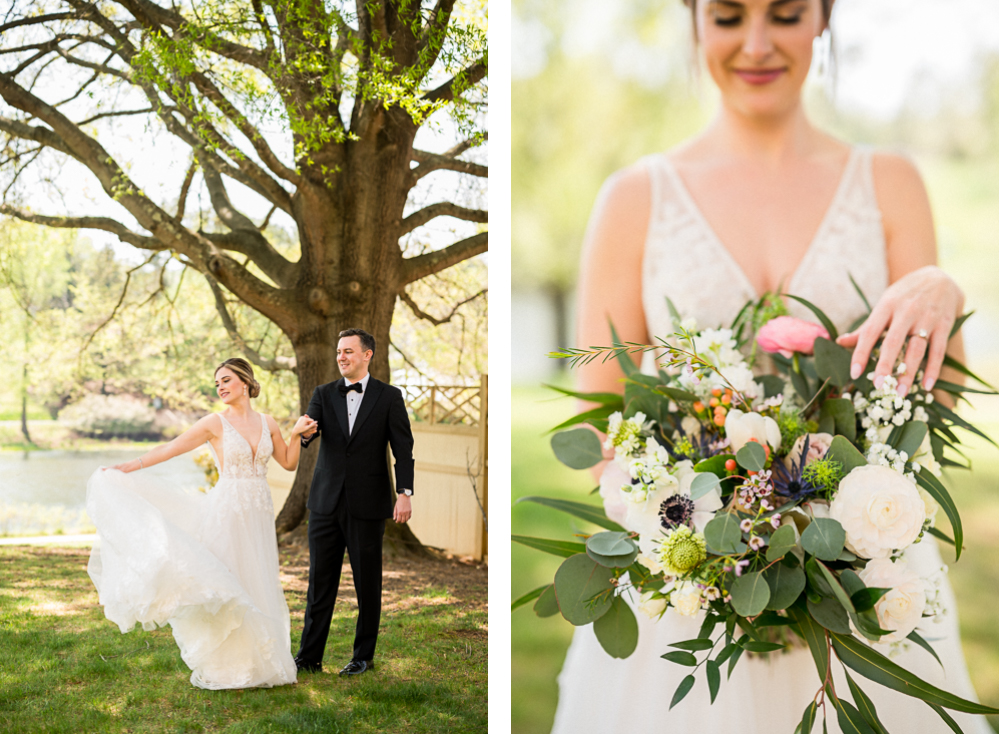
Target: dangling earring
<point>244,389</point>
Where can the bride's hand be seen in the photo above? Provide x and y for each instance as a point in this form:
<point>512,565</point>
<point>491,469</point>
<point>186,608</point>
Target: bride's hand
<point>923,301</point>
<point>127,466</point>
<point>304,425</point>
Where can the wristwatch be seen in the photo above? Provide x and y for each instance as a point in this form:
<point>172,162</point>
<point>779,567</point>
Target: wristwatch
<point>407,492</point>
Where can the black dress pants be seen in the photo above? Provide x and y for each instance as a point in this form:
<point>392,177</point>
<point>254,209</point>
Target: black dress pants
<point>329,536</point>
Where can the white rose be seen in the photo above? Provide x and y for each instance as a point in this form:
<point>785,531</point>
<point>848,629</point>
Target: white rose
<point>741,427</point>
<point>901,608</point>
<point>686,598</point>
<point>879,509</point>
<point>651,607</point>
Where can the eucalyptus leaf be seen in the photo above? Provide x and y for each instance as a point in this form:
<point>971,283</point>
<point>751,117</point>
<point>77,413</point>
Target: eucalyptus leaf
<point>833,362</point>
<point>849,718</point>
<point>915,637</point>
<point>782,540</point>
<point>716,465</point>
<point>785,583</point>
<point>583,590</point>
<point>712,676</point>
<point>808,718</point>
<point>676,394</point>
<point>577,449</point>
<point>824,538</point>
<point>722,533</point>
<point>695,645</point>
<point>682,690</point>
<point>910,438</point>
<point>610,543</point>
<point>751,456</point>
<point>841,410</point>
<point>815,638</point>
<point>865,706</point>
<point>681,657</point>
<point>865,599</point>
<point>529,597</point>
<point>772,384</point>
<point>843,451</point>
<point>702,484</point>
<point>753,646</point>
<point>751,594</point>
<point>830,614</point>
<point>617,630</point>
<point>547,606</point>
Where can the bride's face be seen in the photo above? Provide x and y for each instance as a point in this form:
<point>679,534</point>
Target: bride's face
<point>228,386</point>
<point>759,51</point>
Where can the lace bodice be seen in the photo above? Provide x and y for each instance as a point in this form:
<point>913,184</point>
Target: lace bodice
<point>238,458</point>
<point>685,261</point>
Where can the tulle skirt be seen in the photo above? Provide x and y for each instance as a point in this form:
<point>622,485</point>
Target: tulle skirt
<point>206,564</point>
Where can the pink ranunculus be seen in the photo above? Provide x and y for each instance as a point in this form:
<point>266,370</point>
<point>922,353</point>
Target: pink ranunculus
<point>787,334</point>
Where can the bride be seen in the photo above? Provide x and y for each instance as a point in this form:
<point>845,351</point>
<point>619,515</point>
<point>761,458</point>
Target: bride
<point>207,565</point>
<point>761,201</point>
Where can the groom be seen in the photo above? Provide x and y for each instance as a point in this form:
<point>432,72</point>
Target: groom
<point>351,496</point>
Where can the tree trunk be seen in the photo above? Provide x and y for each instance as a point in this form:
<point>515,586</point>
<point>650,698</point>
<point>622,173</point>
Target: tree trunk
<point>24,416</point>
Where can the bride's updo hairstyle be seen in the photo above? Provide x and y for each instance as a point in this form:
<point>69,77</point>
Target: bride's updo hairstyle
<point>244,371</point>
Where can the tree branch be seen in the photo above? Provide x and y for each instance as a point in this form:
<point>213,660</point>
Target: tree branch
<point>415,268</point>
<point>121,299</point>
<point>405,298</point>
<point>105,224</point>
<point>458,84</point>
<point>185,187</point>
<point>277,364</point>
<point>430,162</point>
<point>442,209</point>
<point>38,19</point>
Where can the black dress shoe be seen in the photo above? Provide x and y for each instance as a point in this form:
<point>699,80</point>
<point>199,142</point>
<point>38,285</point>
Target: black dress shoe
<point>357,667</point>
<point>303,667</point>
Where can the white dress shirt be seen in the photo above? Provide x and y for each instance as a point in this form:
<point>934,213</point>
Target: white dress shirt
<point>354,401</point>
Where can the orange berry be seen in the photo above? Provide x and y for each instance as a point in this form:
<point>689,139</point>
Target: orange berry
<point>714,402</point>
<point>698,406</point>
<point>727,399</point>
<point>719,419</point>
<point>730,464</point>
<point>752,473</point>
<point>717,392</point>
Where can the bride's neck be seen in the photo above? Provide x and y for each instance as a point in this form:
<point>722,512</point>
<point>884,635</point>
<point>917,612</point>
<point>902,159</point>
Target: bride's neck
<point>241,409</point>
<point>769,140</point>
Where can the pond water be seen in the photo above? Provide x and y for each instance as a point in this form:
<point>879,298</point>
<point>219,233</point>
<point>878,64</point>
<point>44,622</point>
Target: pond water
<point>46,491</point>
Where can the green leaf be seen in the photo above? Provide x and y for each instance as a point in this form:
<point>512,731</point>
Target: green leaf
<point>829,613</point>
<point>624,360</point>
<point>726,652</point>
<point>617,630</point>
<point>772,384</point>
<point>762,646</point>
<point>815,637</point>
<point>681,658</point>
<point>782,540</point>
<point>959,322</point>
<point>547,606</point>
<point>591,513</point>
<point>845,452</point>
<point>702,484</point>
<point>716,465</point>
<point>771,619</point>
<point>958,389</point>
<point>623,561</point>
<point>833,362</point>
<point>612,550</point>
<point>838,591</point>
<point>952,724</point>
<point>936,490</point>
<point>785,583</point>
<point>801,385</point>
<point>712,675</point>
<point>956,419</point>
<point>711,619</point>
<point>578,449</point>
<point>910,437</point>
<point>752,456</point>
<point>868,307</point>
<point>723,535</point>
<point>915,637</point>
<point>808,718</point>
<point>596,415</point>
<point>562,548</point>
<point>875,666</point>
<point>750,594</point>
<point>604,398</point>
<point>733,659</point>
<point>682,690</point>
<point>823,318</point>
<point>841,410</point>
<point>583,590</point>
<point>824,538</point>
<point>695,645</point>
<point>866,599</point>
<point>941,536</point>
<point>849,718</point>
<point>950,361</point>
<point>865,706</point>
<point>675,394</point>
<point>530,596</point>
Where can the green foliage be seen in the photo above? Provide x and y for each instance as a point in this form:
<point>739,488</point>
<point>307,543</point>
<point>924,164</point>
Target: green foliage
<point>109,416</point>
<point>792,425</point>
<point>824,474</point>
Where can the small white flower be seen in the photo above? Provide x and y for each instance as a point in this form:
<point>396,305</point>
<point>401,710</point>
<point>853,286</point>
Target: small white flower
<point>686,598</point>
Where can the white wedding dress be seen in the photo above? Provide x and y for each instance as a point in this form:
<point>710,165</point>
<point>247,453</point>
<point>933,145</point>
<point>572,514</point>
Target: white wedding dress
<point>206,564</point>
<point>685,261</point>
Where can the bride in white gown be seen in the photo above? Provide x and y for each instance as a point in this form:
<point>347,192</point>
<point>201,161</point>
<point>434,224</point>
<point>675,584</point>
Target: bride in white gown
<point>760,201</point>
<point>206,564</point>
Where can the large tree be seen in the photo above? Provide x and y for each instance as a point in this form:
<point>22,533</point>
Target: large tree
<point>309,106</point>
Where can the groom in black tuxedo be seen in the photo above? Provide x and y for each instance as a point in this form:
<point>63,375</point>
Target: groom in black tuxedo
<point>351,497</point>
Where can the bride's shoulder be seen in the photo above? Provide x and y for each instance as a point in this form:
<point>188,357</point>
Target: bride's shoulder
<point>899,188</point>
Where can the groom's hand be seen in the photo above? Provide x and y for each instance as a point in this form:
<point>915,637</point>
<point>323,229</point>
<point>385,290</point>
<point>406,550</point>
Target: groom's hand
<point>403,510</point>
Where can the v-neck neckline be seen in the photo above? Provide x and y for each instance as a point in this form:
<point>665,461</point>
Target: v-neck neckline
<point>727,254</point>
<point>253,451</point>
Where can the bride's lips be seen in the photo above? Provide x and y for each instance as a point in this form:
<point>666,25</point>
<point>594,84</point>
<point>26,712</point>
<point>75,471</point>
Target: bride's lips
<point>758,76</point>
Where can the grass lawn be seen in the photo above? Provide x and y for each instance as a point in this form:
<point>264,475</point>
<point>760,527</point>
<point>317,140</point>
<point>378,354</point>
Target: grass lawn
<point>538,646</point>
<point>65,668</point>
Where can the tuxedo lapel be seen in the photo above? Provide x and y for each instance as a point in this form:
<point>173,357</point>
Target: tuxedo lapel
<point>340,407</point>
<point>368,400</point>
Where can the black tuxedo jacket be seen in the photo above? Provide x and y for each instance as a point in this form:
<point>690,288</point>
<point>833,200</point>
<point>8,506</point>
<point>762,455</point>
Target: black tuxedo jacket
<point>354,464</point>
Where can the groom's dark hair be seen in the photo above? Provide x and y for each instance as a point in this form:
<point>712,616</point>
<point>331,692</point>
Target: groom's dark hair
<point>367,340</point>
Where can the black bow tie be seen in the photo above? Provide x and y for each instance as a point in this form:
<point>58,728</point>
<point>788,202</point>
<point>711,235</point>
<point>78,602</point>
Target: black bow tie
<point>344,389</point>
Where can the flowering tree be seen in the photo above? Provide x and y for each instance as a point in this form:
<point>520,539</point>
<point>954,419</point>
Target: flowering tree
<point>347,85</point>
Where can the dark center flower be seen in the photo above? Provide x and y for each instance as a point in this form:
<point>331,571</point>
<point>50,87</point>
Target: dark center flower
<point>676,510</point>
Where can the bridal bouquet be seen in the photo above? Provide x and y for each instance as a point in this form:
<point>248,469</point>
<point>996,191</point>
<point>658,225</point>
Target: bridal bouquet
<point>776,506</point>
